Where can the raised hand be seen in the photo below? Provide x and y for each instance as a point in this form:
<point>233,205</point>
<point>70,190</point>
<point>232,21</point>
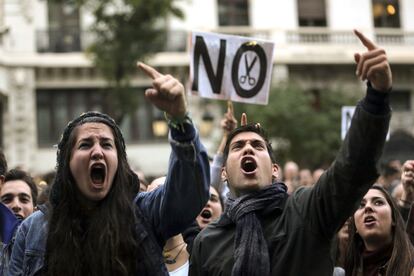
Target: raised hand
<point>167,93</point>
<point>407,178</point>
<point>243,120</point>
<point>373,65</point>
<point>229,122</point>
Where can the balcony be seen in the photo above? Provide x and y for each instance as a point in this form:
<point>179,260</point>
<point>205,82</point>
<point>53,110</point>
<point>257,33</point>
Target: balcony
<point>302,45</point>
<point>73,40</point>
<point>58,40</point>
<point>383,36</point>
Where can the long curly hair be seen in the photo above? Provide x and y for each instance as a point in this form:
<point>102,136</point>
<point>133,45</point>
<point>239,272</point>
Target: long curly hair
<point>401,259</point>
<point>101,241</point>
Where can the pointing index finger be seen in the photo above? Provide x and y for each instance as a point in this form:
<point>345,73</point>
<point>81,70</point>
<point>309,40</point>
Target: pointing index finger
<point>230,107</point>
<point>367,42</point>
<point>149,71</point>
<point>243,120</point>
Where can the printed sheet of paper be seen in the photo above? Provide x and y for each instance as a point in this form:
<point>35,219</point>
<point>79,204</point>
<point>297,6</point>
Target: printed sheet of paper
<point>231,67</point>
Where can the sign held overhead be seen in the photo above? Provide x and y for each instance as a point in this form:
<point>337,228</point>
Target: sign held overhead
<point>231,67</point>
<point>347,112</point>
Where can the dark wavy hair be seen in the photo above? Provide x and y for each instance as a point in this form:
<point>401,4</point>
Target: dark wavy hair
<point>101,241</point>
<point>17,174</point>
<point>3,163</point>
<point>252,127</point>
<point>401,259</point>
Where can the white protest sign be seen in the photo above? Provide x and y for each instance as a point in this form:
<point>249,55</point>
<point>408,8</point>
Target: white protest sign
<point>347,113</point>
<point>231,67</point>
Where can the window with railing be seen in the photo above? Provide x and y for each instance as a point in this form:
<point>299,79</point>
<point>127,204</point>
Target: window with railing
<point>63,33</point>
<point>233,12</point>
<point>386,13</point>
<point>56,107</point>
<point>311,13</point>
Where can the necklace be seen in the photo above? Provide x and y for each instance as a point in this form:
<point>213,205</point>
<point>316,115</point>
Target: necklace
<point>168,250</point>
<point>174,260</point>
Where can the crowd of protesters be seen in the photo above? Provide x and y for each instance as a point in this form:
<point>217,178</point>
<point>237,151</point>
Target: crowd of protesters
<point>241,214</point>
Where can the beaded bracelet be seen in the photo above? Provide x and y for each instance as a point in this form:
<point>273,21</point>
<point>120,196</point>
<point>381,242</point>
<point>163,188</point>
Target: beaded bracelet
<point>178,123</point>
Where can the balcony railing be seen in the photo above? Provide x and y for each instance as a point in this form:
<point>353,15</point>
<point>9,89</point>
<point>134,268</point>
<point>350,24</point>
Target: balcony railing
<point>59,41</point>
<point>394,36</point>
<point>383,36</point>
<point>320,35</point>
<point>71,40</point>
<point>245,31</point>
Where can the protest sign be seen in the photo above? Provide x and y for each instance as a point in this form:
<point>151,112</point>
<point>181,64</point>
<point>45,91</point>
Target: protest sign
<point>231,67</point>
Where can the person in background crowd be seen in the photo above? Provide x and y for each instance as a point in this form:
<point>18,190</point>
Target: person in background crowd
<point>156,183</point>
<point>227,124</point>
<point>407,198</point>
<point>96,224</point>
<point>390,175</point>
<point>176,256</point>
<point>317,174</point>
<point>143,183</point>
<point>263,230</point>
<point>291,176</point>
<point>397,193</point>
<point>19,194</point>
<point>49,177</point>
<point>305,178</point>
<point>212,211</point>
<point>218,188</point>
<point>3,167</point>
<point>340,247</point>
<point>407,189</point>
<point>379,244</point>
<point>175,251</point>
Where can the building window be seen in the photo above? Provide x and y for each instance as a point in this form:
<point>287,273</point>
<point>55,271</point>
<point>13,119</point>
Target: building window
<point>311,13</point>
<point>386,13</point>
<point>55,108</point>
<point>63,34</point>
<point>400,100</point>
<point>233,12</point>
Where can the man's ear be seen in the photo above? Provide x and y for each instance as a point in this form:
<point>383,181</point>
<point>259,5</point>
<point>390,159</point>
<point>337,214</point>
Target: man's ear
<point>275,171</point>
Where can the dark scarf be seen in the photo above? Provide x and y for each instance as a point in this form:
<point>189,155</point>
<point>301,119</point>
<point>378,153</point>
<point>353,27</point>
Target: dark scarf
<point>251,255</point>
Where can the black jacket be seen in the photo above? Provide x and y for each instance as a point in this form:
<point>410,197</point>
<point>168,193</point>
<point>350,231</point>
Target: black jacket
<point>299,232</point>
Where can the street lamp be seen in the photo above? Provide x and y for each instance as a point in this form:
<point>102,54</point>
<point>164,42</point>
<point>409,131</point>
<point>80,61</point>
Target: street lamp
<point>159,126</point>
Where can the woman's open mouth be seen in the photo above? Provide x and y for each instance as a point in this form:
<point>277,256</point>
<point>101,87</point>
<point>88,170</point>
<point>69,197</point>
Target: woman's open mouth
<point>369,221</point>
<point>98,173</point>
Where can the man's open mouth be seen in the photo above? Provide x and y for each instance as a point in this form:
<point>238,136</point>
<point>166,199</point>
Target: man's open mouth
<point>98,173</point>
<point>19,217</point>
<point>248,164</point>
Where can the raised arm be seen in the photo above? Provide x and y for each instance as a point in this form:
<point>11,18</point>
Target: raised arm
<point>407,198</point>
<point>227,124</point>
<point>172,207</point>
<point>340,189</point>
<point>407,180</point>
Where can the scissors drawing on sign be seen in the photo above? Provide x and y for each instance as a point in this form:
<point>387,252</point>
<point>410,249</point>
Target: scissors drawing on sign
<point>247,77</point>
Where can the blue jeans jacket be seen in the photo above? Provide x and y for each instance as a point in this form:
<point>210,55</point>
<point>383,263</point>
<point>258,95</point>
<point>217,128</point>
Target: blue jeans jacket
<point>162,213</point>
<point>4,257</point>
